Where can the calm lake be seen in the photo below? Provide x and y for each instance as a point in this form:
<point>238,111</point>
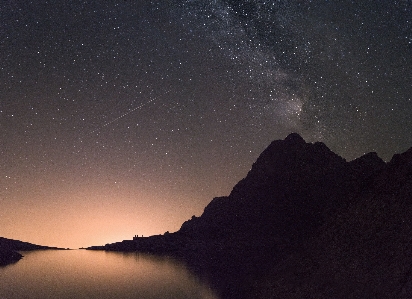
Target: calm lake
<point>99,274</point>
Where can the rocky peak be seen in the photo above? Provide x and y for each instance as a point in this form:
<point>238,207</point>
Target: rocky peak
<point>295,138</point>
<point>404,159</point>
<point>290,158</point>
<point>368,162</point>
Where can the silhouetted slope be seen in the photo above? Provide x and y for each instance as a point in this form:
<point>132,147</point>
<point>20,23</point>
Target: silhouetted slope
<point>284,195</point>
<point>303,223</point>
<point>9,248</point>
<point>21,246</point>
<point>8,256</point>
<point>290,191</point>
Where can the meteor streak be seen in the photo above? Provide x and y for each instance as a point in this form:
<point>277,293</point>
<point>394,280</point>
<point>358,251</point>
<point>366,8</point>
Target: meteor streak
<point>121,116</point>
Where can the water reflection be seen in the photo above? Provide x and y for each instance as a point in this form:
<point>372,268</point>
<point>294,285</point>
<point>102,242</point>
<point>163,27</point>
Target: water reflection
<point>97,274</point>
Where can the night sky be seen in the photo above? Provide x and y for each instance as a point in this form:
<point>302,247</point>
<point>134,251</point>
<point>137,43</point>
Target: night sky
<point>127,117</point>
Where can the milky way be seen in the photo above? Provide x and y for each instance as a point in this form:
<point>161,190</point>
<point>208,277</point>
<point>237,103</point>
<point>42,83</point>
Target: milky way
<point>323,68</point>
<point>130,117</point>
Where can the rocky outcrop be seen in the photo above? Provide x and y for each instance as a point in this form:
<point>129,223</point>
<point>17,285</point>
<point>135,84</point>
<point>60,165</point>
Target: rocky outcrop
<point>8,256</point>
<point>9,248</point>
<point>303,223</point>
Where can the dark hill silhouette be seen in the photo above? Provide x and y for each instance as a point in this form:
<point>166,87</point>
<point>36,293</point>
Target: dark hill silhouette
<point>8,256</point>
<point>303,223</point>
<point>9,248</point>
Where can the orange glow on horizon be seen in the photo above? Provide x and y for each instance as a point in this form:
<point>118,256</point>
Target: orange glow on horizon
<point>93,216</point>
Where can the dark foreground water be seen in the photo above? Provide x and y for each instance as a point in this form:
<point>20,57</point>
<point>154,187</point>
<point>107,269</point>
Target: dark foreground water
<point>99,274</point>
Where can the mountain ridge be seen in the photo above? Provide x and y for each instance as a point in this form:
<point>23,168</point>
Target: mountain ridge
<point>303,223</point>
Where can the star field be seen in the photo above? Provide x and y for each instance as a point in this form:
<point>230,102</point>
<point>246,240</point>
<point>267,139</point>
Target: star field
<point>124,118</point>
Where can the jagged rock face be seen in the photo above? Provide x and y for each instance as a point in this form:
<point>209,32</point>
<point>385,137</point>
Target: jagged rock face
<point>287,160</point>
<point>304,223</point>
<point>284,196</point>
<point>347,225</point>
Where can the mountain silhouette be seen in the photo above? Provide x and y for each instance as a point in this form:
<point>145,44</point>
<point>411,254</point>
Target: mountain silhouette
<point>303,223</point>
